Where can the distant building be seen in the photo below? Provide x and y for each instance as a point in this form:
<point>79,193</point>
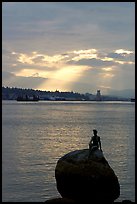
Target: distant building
<point>90,97</point>
<point>98,96</point>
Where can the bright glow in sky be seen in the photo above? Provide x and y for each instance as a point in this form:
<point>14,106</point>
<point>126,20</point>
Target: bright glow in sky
<point>79,46</point>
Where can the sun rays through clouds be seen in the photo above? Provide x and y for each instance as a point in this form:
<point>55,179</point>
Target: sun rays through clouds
<point>68,46</point>
<point>60,71</point>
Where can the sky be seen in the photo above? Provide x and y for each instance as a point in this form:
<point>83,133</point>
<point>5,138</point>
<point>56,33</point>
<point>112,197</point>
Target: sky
<point>68,46</point>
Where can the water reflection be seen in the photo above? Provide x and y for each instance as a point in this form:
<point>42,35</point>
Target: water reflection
<point>35,136</point>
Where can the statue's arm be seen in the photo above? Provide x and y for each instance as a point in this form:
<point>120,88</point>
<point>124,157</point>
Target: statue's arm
<point>100,144</point>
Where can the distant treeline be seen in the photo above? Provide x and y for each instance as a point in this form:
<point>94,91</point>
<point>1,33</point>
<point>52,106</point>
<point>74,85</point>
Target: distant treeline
<point>12,93</point>
<point>9,93</point>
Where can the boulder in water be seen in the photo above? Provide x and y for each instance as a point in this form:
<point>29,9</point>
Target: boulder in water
<point>83,177</point>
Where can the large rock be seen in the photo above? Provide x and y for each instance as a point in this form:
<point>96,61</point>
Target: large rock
<point>80,177</point>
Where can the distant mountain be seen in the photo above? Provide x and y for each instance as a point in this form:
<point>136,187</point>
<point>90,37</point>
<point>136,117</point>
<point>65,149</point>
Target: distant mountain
<point>126,93</point>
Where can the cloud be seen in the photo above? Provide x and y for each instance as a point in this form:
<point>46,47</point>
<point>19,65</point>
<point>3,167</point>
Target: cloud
<point>73,65</point>
<point>58,24</point>
<point>11,80</point>
<point>91,57</point>
<point>68,43</point>
<point>115,55</point>
<point>124,52</point>
<point>94,57</point>
<point>93,62</point>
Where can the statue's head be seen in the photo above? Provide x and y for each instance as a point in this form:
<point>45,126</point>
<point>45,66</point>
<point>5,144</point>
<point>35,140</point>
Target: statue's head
<point>95,131</point>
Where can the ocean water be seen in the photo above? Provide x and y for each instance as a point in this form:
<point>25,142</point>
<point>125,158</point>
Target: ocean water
<point>36,134</point>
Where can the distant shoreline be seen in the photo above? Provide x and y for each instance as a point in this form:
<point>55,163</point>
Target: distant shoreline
<point>9,93</point>
<point>69,100</point>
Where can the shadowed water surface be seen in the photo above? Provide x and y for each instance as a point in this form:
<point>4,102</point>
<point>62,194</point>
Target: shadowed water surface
<point>36,134</point>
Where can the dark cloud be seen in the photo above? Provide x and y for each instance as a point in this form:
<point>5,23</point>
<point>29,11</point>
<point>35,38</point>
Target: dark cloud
<point>38,59</point>
<point>122,56</point>
<point>58,24</point>
<point>7,75</point>
<point>115,55</point>
<point>93,62</point>
<point>12,80</point>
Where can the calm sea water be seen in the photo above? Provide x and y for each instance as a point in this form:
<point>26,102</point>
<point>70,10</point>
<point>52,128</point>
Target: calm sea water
<point>36,134</point>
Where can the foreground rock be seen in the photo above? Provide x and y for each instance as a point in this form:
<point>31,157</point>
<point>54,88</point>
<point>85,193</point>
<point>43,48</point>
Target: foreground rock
<point>86,179</point>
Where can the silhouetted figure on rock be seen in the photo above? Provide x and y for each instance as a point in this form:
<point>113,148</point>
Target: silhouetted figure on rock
<point>94,143</point>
